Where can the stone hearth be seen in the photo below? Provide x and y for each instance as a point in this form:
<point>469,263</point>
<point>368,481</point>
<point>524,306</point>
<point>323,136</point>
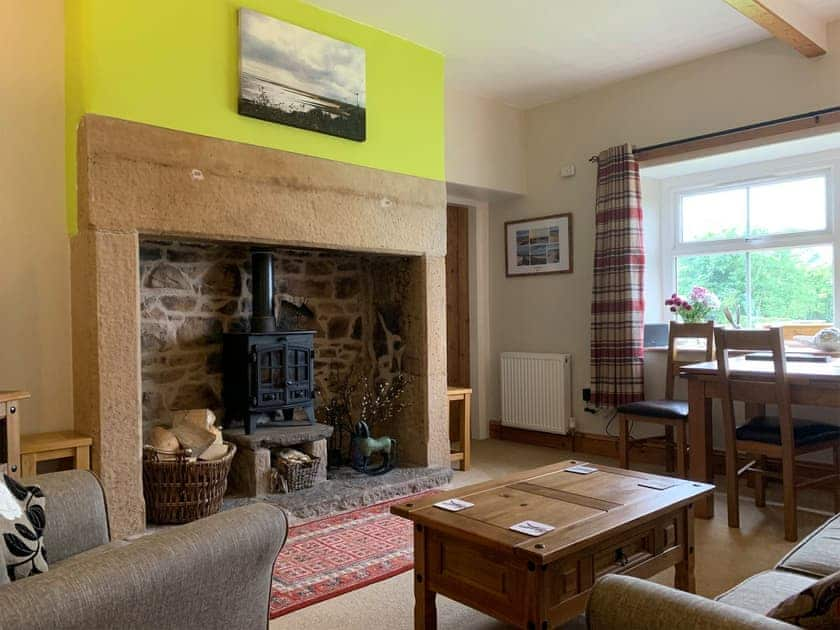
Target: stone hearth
<point>346,489</point>
<point>141,183</point>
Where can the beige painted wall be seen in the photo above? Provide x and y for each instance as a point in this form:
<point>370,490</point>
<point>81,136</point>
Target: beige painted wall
<point>485,166</point>
<point>484,143</point>
<point>35,271</point>
<point>750,84</point>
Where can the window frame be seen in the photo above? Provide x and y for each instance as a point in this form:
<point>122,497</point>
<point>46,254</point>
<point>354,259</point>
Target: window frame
<point>769,241</point>
<point>674,189</point>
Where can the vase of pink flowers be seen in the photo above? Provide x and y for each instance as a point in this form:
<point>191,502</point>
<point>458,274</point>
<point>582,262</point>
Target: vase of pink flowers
<point>696,307</point>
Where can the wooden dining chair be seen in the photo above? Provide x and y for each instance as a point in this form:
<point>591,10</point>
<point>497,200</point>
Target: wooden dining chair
<point>781,437</point>
<point>670,413</point>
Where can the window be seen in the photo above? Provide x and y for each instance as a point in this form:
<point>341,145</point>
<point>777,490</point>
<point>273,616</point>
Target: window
<point>765,246</point>
<point>755,210</point>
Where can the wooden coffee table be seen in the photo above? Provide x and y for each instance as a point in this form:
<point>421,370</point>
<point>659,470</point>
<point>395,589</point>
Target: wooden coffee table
<point>606,522</point>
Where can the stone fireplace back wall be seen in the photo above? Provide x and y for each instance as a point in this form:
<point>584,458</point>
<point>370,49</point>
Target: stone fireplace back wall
<point>190,293</point>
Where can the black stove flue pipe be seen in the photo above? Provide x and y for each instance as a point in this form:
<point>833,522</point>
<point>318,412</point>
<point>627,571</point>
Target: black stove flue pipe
<point>262,288</point>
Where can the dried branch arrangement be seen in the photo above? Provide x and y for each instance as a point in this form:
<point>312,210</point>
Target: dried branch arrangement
<point>383,401</point>
<point>354,398</point>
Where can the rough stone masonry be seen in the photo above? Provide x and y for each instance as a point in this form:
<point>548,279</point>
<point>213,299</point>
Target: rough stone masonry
<point>190,293</point>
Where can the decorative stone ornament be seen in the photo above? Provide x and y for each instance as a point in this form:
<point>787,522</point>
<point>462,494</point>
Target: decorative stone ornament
<point>363,448</point>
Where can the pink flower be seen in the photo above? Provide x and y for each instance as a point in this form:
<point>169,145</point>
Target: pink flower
<point>669,302</point>
<point>673,309</point>
<point>687,307</point>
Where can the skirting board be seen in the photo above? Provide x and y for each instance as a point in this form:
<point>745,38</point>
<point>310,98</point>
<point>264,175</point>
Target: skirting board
<point>607,446</point>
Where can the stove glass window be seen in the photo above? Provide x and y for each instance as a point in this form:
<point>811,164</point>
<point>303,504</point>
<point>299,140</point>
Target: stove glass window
<point>271,369</point>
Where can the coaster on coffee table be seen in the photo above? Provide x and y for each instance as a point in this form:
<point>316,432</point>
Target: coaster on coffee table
<point>532,528</point>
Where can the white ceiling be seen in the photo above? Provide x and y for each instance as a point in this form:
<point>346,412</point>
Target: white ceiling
<point>529,52</point>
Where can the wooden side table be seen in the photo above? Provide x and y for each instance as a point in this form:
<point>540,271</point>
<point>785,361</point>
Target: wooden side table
<point>10,431</point>
<point>459,431</point>
<point>43,447</point>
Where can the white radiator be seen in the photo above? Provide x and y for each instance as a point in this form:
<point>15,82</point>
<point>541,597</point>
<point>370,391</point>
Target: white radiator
<point>536,391</point>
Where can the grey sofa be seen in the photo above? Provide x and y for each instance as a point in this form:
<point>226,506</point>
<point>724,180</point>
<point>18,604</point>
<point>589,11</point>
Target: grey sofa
<point>631,604</point>
<point>214,573</point>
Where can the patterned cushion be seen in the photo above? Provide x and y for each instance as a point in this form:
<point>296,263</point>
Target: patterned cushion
<point>22,521</point>
<point>818,606</point>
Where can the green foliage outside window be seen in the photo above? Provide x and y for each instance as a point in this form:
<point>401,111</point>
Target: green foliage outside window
<point>793,283</point>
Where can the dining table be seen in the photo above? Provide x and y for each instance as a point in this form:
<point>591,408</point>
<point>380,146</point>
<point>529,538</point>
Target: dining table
<point>814,383</point>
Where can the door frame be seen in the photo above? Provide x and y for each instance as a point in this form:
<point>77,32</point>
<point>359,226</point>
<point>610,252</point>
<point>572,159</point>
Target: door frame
<point>479,297</point>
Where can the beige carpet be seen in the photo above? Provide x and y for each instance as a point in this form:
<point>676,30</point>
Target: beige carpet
<point>724,556</point>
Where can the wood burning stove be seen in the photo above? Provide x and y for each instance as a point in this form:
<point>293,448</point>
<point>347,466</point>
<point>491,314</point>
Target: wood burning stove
<point>268,373</point>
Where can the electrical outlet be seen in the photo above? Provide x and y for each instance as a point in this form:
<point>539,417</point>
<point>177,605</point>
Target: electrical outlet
<point>587,394</point>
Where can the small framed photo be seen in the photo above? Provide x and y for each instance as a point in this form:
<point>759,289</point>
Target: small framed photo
<point>539,245</point>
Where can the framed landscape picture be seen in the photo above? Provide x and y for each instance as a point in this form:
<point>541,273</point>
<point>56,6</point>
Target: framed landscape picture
<point>294,76</point>
<point>539,245</point>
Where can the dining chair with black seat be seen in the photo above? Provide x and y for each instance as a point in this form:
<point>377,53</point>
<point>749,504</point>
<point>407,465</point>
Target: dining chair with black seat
<point>667,412</point>
<point>781,437</point>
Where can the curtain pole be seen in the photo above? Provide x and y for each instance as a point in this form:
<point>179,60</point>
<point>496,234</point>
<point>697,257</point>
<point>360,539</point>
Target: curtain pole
<point>816,115</point>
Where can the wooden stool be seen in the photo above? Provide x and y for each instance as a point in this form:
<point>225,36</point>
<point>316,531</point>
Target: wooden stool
<point>43,447</point>
<point>461,426</point>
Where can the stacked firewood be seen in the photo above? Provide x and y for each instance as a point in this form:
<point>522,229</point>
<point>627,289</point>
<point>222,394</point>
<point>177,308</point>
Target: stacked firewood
<point>293,470</point>
<point>291,456</point>
<point>192,430</point>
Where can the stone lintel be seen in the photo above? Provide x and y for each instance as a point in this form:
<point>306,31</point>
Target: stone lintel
<point>159,181</point>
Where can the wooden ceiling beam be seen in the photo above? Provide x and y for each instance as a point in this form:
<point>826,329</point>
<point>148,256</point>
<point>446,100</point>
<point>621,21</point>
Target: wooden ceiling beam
<point>788,21</point>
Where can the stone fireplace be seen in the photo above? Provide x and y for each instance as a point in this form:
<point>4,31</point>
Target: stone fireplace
<point>160,270</point>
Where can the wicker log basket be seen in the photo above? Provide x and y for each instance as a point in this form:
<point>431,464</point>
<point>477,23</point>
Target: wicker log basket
<point>178,490</point>
<point>294,476</point>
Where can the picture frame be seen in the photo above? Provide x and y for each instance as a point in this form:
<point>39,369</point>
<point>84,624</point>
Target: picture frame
<point>300,78</point>
<point>540,245</point>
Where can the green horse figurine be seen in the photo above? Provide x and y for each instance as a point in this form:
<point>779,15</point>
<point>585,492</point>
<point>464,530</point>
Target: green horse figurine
<point>363,447</point>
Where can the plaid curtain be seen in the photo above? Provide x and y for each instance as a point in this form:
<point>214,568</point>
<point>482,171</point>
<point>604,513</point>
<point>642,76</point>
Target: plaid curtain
<point>617,328</point>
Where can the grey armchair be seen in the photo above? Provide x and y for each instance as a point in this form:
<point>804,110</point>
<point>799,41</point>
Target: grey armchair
<point>213,573</point>
<point>619,602</point>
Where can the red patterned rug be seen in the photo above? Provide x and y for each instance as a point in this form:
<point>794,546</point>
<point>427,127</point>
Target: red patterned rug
<point>338,554</point>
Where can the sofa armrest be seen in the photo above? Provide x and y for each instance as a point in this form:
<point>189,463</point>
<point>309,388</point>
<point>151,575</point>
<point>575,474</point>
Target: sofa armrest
<point>628,603</point>
<point>214,573</point>
<point>77,517</point>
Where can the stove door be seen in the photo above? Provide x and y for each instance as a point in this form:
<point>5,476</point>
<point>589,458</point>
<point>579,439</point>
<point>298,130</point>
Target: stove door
<point>298,373</point>
<point>269,387</point>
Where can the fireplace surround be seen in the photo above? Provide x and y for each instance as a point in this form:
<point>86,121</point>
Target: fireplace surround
<point>135,180</point>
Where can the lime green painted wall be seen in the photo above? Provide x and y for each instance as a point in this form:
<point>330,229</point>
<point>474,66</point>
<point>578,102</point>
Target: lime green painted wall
<point>174,63</point>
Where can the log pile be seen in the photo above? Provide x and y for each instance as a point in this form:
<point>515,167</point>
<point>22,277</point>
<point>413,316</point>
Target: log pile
<point>192,429</point>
